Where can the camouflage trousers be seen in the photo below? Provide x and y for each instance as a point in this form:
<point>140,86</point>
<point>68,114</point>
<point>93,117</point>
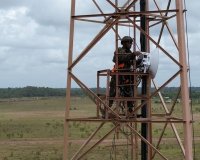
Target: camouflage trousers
<point>125,91</point>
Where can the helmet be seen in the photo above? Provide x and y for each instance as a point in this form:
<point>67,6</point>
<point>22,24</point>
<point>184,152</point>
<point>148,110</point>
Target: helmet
<point>126,38</point>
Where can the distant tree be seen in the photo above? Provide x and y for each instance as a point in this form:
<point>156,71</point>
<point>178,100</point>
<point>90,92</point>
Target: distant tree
<point>31,91</point>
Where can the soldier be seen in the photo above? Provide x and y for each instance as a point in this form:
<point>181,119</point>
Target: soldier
<point>125,60</point>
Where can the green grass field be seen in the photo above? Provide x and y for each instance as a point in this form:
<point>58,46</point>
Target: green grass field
<point>32,129</point>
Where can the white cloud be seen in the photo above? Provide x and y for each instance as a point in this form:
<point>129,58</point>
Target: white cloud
<point>50,12</point>
<point>34,43</point>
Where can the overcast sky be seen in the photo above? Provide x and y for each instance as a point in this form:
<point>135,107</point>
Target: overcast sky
<point>34,44</point>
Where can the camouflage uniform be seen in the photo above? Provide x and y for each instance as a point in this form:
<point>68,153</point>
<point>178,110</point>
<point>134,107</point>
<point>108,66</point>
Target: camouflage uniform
<point>125,57</point>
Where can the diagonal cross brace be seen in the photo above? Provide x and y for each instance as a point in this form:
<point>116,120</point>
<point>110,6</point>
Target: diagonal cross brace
<point>87,141</point>
<point>172,124</point>
<point>98,142</point>
<point>93,94</point>
<point>106,28</point>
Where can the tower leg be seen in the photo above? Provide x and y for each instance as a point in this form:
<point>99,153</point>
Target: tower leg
<point>184,82</point>
<point>68,91</point>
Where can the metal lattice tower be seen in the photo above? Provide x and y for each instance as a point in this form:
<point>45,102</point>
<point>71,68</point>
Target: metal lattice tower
<point>149,21</point>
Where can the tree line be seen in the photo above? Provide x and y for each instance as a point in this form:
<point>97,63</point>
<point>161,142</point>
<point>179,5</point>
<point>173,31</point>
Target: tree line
<point>31,91</point>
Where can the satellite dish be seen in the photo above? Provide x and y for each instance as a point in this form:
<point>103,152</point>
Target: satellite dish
<point>148,62</point>
<point>154,61</point>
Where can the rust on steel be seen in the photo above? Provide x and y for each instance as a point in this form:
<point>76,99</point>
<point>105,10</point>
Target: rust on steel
<point>127,16</point>
<point>131,14</point>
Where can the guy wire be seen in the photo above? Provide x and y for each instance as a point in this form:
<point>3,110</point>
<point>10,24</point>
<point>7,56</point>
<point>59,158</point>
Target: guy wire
<point>190,88</point>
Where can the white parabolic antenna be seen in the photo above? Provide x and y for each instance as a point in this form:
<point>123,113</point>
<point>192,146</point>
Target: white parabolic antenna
<point>154,61</point>
<point>149,62</point>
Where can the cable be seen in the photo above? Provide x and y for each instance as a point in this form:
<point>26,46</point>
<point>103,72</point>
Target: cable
<point>190,88</point>
<point>127,134</point>
<point>127,149</point>
<point>113,149</point>
<point>129,28</point>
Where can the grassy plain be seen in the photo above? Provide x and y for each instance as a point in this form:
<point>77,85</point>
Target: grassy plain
<point>32,129</point>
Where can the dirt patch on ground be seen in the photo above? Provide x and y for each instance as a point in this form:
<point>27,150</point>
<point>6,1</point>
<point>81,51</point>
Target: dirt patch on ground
<point>53,141</point>
<point>34,114</point>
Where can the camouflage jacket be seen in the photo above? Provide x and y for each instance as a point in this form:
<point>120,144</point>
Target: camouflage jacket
<point>124,57</point>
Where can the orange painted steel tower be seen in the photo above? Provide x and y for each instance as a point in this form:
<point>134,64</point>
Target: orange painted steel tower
<point>154,24</point>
